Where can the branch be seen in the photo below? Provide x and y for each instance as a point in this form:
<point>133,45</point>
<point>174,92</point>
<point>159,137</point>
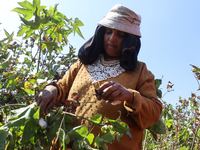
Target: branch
<point>39,52</point>
<point>194,135</point>
<point>6,105</point>
<point>71,114</point>
<point>59,129</point>
<point>196,79</point>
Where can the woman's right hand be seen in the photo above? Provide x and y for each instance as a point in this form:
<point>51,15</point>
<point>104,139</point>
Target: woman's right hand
<point>46,99</point>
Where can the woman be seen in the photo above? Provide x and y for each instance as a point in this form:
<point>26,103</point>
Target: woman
<point>108,63</point>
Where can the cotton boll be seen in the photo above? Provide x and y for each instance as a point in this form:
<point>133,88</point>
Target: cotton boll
<point>42,123</point>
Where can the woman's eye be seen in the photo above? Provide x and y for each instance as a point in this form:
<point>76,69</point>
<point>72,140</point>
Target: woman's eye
<point>121,34</point>
<point>108,31</point>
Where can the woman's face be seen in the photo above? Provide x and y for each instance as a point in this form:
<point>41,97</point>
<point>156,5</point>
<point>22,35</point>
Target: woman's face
<point>113,40</point>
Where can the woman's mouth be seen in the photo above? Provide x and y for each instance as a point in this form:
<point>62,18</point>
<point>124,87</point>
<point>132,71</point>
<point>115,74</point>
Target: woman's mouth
<point>111,45</point>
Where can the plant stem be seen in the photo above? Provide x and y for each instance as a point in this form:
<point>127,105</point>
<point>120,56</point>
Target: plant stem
<point>145,139</point>
<point>39,51</point>
<point>167,92</point>
<point>6,105</point>
<point>68,113</point>
<point>55,115</point>
<point>194,136</point>
<point>59,128</point>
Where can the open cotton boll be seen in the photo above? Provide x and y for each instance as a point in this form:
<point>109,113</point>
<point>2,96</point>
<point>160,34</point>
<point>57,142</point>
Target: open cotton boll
<point>42,123</point>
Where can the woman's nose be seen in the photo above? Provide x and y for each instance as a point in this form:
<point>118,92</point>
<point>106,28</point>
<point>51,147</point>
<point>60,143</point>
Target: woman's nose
<point>113,37</point>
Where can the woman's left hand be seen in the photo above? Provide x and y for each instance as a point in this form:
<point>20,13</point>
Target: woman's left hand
<point>113,91</point>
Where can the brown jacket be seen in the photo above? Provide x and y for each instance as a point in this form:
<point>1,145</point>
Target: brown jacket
<point>144,111</point>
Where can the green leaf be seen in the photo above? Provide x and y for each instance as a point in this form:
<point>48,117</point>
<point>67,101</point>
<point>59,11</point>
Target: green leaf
<point>103,147</point>
<point>61,15</point>
<point>61,138</point>
<point>13,84</point>
<point>4,56</point>
<point>5,64</point>
<point>183,148</point>
<point>90,138</point>
<point>3,138</point>
<point>83,131</point>
<point>108,137</point>
<point>42,7</point>
<point>22,11</point>
<point>121,127</point>
<point>32,80</point>
<point>36,3</point>
<point>29,91</point>
<point>51,45</point>
<point>53,126</point>
<point>96,119</point>
<point>36,115</point>
<point>23,30</point>
<point>55,8</point>
<point>159,93</point>
<point>28,33</point>
<point>119,136</point>
<point>67,139</point>
<point>99,141</point>
<point>77,30</point>
<point>40,75</point>
<point>26,4</point>
<point>78,22</point>
<point>159,127</point>
<point>11,140</point>
<point>78,145</point>
<point>16,123</point>
<point>47,17</point>
<point>33,24</point>
<point>195,67</point>
<point>158,82</point>
<point>59,38</point>
<point>28,16</point>
<point>169,123</point>
<point>27,62</point>
<point>55,67</point>
<point>10,37</point>
<point>29,130</point>
<point>68,119</point>
<point>78,132</point>
<point>22,112</point>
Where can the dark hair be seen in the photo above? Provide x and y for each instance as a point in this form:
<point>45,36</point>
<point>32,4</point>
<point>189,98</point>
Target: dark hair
<point>90,51</point>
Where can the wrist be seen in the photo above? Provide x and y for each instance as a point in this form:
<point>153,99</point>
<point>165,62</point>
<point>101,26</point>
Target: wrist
<point>131,97</point>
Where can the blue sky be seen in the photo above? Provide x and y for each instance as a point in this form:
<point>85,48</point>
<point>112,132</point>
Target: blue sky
<point>170,35</point>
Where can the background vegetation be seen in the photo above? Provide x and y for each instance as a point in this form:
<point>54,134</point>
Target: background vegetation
<point>26,66</point>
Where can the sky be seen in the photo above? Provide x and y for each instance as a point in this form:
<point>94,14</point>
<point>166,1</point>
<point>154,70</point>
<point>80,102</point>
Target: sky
<point>170,35</point>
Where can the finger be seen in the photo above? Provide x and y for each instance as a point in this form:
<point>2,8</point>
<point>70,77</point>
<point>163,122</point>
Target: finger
<point>113,95</point>
<point>50,105</point>
<point>104,86</point>
<point>109,90</point>
<point>36,98</point>
<point>43,104</point>
<point>39,98</point>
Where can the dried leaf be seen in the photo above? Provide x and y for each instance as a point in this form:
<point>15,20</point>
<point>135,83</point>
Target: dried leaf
<point>75,96</point>
<point>193,95</point>
<point>169,85</point>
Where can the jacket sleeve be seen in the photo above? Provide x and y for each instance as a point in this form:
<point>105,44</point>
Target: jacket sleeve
<point>64,84</point>
<point>145,108</point>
